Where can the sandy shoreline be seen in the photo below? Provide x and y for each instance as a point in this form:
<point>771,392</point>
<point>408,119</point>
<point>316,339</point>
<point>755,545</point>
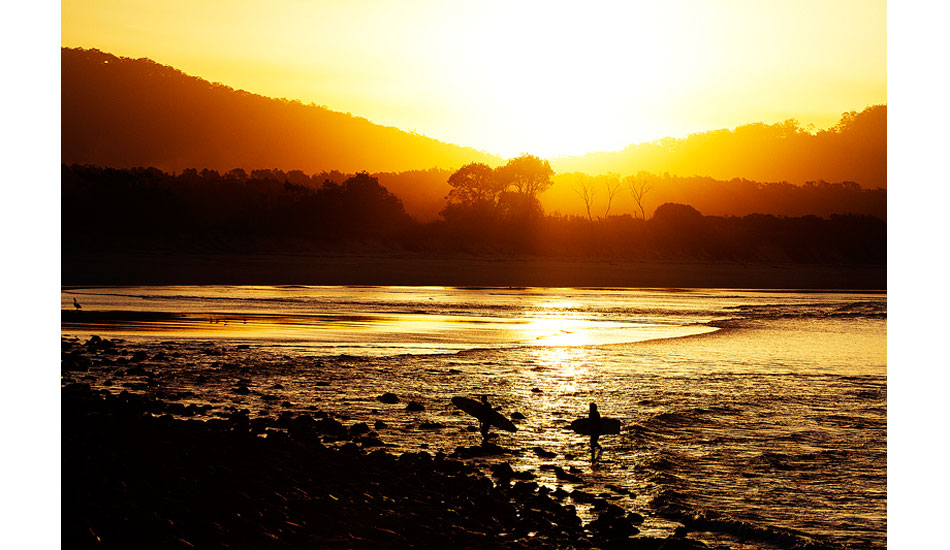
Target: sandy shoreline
<point>138,268</point>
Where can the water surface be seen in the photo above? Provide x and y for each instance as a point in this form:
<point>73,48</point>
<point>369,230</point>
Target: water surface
<point>763,412</point>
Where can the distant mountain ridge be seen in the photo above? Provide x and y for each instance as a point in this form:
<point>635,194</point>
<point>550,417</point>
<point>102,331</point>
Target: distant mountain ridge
<point>853,150</point>
<point>122,112</point>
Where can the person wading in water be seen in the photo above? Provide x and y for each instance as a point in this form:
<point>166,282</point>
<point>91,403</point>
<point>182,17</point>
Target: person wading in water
<point>483,424</point>
<point>594,416</point>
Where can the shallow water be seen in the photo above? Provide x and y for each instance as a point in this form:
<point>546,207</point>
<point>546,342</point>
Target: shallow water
<point>764,412</point>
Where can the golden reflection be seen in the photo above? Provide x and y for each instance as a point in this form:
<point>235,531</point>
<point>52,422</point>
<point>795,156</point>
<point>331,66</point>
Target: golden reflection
<point>550,328</point>
<point>557,331</point>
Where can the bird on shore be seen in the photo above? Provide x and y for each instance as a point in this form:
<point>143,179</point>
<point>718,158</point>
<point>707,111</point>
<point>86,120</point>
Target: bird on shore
<point>76,304</point>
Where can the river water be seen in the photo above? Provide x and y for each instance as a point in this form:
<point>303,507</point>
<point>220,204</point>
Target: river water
<point>759,414</point>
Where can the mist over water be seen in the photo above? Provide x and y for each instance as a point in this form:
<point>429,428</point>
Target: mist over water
<point>761,415</point>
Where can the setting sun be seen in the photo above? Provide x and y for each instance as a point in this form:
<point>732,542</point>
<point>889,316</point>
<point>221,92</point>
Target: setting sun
<point>507,78</point>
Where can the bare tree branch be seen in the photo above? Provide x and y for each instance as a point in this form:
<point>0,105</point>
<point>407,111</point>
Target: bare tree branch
<point>584,187</point>
<point>639,186</point>
<point>612,182</point>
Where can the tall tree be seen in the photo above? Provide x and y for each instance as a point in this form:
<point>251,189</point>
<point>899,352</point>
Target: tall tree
<point>528,174</point>
<point>612,183</point>
<point>639,186</point>
<point>473,184</point>
<point>586,190</point>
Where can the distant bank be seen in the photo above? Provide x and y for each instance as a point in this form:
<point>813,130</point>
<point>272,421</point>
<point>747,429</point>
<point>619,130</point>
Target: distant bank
<point>153,268</point>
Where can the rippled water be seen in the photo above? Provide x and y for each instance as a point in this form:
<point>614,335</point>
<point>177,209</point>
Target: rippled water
<point>763,413</point>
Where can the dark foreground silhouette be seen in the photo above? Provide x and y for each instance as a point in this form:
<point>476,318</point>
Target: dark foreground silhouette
<point>135,477</point>
<point>486,414</point>
<point>594,426</point>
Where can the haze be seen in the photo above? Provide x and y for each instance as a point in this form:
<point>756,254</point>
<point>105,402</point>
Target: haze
<point>546,78</point>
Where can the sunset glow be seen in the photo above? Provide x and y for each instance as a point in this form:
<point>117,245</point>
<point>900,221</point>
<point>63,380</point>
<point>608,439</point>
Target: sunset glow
<point>546,78</point>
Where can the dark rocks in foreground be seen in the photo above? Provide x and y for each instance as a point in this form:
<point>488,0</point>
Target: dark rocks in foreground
<point>135,477</point>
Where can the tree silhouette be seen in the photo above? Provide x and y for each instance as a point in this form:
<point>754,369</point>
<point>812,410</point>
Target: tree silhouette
<point>528,174</point>
<point>473,184</point>
<point>639,186</point>
<point>585,189</point>
<point>612,183</point>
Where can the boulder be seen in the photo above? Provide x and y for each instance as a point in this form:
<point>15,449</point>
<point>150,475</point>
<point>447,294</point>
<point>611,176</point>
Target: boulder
<point>389,398</point>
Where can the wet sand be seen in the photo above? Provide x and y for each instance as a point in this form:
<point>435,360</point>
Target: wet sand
<point>137,268</point>
<point>135,476</point>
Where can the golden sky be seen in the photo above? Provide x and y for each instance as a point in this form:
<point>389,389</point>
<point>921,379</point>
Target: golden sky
<point>549,78</point>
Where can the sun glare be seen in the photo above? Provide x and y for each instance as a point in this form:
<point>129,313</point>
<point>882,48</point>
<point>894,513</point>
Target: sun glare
<point>549,78</point>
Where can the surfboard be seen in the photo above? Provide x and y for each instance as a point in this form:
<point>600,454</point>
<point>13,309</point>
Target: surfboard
<point>605,425</point>
<point>483,413</point>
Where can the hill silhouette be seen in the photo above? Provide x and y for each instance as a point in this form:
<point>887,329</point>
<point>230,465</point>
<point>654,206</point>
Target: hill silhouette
<point>126,113</point>
<point>123,113</point>
<point>853,150</point>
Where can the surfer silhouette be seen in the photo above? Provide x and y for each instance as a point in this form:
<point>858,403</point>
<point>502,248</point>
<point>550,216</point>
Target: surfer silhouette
<point>486,415</point>
<point>595,426</point>
<point>594,416</point>
<point>483,424</point>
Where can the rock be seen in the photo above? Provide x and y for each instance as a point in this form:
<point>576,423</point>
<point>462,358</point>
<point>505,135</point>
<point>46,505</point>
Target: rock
<point>415,406</point>
<point>431,425</point>
<point>525,475</point>
<point>536,390</point>
<point>277,387</point>
<point>564,476</point>
<point>525,487</point>
<point>359,428</point>
<point>483,450</point>
<point>543,453</point>
<point>502,471</point>
<point>671,543</point>
<point>138,356</point>
<point>581,496</point>
<point>380,425</point>
<point>389,398</point>
<point>331,427</point>
<point>93,341</point>
<point>241,390</point>
<point>371,441</point>
<point>613,528</point>
<point>75,362</point>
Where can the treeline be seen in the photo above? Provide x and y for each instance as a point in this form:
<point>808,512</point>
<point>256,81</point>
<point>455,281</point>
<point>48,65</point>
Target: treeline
<point>235,211</point>
<point>735,197</point>
<point>275,211</point>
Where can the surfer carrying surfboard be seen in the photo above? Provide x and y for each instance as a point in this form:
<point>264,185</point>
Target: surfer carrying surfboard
<point>483,411</point>
<point>483,424</point>
<point>594,426</point>
<point>594,416</point>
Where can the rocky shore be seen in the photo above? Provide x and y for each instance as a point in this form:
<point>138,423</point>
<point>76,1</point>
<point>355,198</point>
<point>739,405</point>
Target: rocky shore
<point>135,475</point>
